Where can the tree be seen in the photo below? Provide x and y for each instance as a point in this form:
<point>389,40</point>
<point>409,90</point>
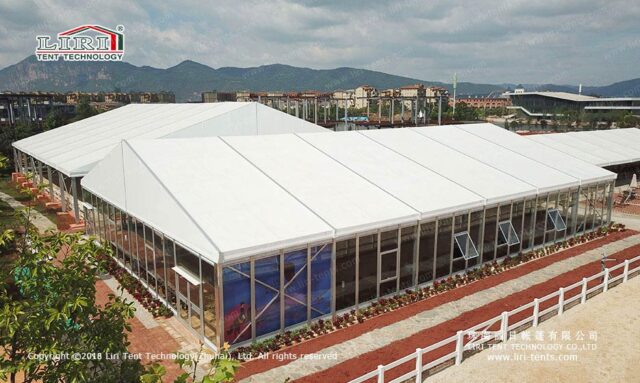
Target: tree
<point>54,119</point>
<point>51,329</point>
<point>221,368</point>
<point>84,110</point>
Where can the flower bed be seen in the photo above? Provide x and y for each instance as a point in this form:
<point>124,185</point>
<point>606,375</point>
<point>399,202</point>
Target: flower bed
<point>409,296</point>
<point>136,288</point>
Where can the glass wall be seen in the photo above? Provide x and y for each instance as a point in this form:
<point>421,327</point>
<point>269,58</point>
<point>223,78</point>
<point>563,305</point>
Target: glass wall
<point>443,247</point>
<point>407,253</point>
<point>426,251</point>
<point>268,293</point>
<point>151,256</point>
<point>320,280</point>
<point>345,284</point>
<point>490,231</point>
<point>367,267</point>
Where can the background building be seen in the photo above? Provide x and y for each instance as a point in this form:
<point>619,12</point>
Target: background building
<point>547,104</point>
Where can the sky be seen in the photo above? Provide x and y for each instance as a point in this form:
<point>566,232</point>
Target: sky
<point>509,41</point>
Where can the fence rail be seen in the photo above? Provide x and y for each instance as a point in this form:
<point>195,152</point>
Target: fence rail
<point>557,303</point>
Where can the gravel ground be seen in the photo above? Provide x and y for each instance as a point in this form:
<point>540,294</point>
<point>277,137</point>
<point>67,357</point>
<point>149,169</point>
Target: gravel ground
<point>612,356</point>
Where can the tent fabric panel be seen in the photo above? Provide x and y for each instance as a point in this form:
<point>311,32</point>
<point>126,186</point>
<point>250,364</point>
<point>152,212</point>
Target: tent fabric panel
<point>417,186</point>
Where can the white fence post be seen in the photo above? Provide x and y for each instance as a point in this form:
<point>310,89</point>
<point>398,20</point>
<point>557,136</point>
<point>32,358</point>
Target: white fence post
<point>418,365</point>
<point>504,326</point>
<point>626,270</point>
<point>459,347</point>
<point>606,281</point>
<point>536,311</point>
<point>380,373</point>
<point>561,301</point>
<point>583,295</point>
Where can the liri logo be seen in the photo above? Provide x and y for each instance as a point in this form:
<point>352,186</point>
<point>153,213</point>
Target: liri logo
<point>83,43</point>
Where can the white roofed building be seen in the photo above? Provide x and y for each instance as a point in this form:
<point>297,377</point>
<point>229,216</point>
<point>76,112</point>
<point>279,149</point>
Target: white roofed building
<point>64,155</point>
<point>246,236</point>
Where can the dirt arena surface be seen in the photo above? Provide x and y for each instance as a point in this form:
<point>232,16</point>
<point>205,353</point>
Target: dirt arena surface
<point>594,342</point>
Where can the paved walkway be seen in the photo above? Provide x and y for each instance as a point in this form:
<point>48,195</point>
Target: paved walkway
<point>42,223</point>
<point>614,316</point>
<point>379,338</point>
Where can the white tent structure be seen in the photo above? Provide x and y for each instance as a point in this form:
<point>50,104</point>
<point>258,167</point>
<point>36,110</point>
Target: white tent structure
<point>351,216</point>
<point>599,147</point>
<point>72,150</point>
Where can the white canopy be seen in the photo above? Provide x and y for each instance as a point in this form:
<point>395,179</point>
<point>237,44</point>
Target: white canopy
<point>229,197</point>
<point>598,147</point>
<point>75,148</point>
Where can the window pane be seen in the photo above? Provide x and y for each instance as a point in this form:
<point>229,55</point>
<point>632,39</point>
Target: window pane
<point>504,215</point>
<point>159,260</point>
<point>320,280</point>
<point>209,297</point>
<point>368,269</point>
<point>267,290</point>
<point>407,248</point>
<point>443,251</point>
<point>541,218</point>
<point>237,303</point>
<point>516,222</point>
<point>295,279</point>
<point>345,273</point>
<point>475,233</point>
<point>169,263</point>
<point>489,244</point>
<point>426,252</point>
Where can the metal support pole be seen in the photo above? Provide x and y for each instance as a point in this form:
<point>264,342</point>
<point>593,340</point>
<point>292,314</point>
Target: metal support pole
<point>418,365</point>
<point>50,177</point>
<point>74,193</point>
<point>561,301</point>
<point>315,110</point>
<point>626,271</point>
<point>402,111</point>
<point>392,117</point>
<point>459,347</point>
<point>288,109</point>
<point>504,326</point>
<point>63,199</point>
<point>536,312</point>
<point>439,110</point>
<point>379,110</point>
<point>583,293</point>
<point>606,280</point>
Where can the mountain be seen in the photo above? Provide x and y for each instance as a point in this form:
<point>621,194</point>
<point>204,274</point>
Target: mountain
<point>189,78</point>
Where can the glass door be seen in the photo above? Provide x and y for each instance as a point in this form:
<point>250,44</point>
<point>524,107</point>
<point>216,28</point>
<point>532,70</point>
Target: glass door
<point>388,262</point>
<point>189,305</point>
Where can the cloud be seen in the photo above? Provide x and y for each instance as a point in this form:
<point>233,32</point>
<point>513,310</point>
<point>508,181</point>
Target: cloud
<point>563,41</point>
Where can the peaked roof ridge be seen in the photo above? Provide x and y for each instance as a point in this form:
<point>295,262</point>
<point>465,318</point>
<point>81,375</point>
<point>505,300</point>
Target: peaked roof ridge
<point>528,157</point>
<point>537,189</point>
<point>484,198</point>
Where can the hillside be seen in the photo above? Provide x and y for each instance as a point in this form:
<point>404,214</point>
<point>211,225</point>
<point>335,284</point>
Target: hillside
<point>189,78</point>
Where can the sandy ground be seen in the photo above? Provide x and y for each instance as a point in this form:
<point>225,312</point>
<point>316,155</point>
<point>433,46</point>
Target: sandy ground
<point>603,346</point>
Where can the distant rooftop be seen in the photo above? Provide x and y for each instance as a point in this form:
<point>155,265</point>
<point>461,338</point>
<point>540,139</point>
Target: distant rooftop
<point>573,96</point>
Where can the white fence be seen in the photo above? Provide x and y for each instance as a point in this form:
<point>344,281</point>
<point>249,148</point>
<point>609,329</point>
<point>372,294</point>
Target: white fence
<point>498,328</point>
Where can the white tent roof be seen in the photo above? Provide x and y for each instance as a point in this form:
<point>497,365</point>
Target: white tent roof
<point>228,197</point>
<point>75,148</point>
<point>598,147</point>
<point>419,187</point>
<point>490,183</point>
<point>204,195</point>
<point>579,169</point>
<point>542,177</point>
